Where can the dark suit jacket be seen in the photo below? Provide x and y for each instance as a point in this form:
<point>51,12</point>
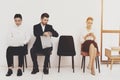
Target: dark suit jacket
<point>39,32</point>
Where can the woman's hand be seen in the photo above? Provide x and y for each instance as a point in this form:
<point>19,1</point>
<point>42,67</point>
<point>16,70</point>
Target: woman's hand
<point>90,34</point>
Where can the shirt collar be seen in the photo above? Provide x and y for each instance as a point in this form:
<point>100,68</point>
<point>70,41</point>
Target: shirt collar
<point>42,25</point>
<point>18,27</point>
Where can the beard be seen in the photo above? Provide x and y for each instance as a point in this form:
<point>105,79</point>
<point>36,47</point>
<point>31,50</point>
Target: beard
<point>44,23</point>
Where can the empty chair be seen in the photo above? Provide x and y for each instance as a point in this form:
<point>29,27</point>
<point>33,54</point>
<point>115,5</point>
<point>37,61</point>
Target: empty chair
<point>66,48</point>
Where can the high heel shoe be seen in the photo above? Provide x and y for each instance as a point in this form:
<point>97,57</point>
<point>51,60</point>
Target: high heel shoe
<point>93,72</point>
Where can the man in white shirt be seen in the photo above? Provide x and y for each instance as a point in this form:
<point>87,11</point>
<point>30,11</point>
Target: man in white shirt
<point>17,38</point>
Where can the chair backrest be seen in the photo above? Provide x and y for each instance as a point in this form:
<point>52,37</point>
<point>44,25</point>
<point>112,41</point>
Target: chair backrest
<point>108,53</point>
<point>66,46</point>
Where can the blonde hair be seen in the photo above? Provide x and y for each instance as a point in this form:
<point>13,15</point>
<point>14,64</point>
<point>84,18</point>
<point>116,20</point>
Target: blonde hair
<point>89,18</point>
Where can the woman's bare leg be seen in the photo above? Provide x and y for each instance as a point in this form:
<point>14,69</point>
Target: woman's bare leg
<point>92,68</point>
<point>91,51</point>
<point>92,54</point>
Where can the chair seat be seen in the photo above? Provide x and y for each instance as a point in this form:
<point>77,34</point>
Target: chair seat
<point>87,54</point>
<point>66,54</point>
<point>42,54</point>
<point>115,57</point>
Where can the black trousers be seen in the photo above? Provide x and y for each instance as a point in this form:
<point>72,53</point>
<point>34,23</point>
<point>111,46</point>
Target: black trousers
<point>18,51</point>
<point>35,52</point>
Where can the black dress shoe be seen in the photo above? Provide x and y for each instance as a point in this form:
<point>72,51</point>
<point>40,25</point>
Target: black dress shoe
<point>19,72</point>
<point>46,71</point>
<point>35,71</point>
<point>9,73</point>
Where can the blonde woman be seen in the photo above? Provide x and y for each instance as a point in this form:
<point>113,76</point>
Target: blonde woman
<point>89,45</point>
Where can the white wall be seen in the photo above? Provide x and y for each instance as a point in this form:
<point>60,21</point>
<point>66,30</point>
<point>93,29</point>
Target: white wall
<point>111,21</point>
<point>67,17</point>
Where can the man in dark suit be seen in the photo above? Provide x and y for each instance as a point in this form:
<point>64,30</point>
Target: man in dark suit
<point>39,30</point>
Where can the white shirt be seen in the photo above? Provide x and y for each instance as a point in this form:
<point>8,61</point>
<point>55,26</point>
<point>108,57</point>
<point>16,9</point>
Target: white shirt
<point>43,27</point>
<point>85,32</point>
<point>17,36</point>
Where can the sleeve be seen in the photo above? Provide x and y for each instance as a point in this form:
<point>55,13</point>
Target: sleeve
<point>10,38</point>
<point>27,37</point>
<point>96,33</point>
<point>54,33</point>
<point>36,31</point>
<point>83,33</point>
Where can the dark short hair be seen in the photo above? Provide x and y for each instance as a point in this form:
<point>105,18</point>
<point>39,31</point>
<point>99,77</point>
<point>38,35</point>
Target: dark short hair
<point>44,15</point>
<point>18,16</point>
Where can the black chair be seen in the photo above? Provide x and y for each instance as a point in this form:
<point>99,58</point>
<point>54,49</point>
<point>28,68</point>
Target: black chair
<point>39,54</point>
<point>25,59</point>
<point>66,48</point>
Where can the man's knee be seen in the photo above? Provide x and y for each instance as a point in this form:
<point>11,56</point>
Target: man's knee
<point>49,50</point>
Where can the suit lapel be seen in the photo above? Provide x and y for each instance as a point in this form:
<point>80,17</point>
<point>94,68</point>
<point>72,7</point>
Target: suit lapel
<point>41,28</point>
<point>45,28</point>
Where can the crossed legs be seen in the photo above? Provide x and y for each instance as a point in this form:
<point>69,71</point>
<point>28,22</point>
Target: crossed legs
<point>92,54</point>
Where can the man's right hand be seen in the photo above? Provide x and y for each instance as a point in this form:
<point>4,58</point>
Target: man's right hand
<point>46,34</point>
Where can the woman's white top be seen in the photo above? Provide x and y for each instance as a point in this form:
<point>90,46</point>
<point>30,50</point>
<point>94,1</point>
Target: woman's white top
<point>85,32</point>
<point>17,36</point>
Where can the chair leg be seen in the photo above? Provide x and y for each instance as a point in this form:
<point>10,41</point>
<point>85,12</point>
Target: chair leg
<point>13,62</point>
<point>13,65</point>
<point>25,61</point>
<point>59,64</point>
<point>49,64</point>
<point>108,62</point>
<point>73,63</point>
<point>98,64</point>
<point>111,64</point>
<point>84,64</point>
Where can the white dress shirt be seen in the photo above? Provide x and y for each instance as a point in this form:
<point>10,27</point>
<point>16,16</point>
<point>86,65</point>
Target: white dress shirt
<point>43,27</point>
<point>18,36</point>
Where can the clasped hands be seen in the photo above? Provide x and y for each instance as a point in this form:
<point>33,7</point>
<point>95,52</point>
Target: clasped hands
<point>90,34</point>
<point>47,34</point>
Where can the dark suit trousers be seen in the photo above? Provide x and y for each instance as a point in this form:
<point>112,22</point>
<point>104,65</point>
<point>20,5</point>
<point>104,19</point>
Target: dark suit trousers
<point>34,52</point>
<point>18,51</point>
